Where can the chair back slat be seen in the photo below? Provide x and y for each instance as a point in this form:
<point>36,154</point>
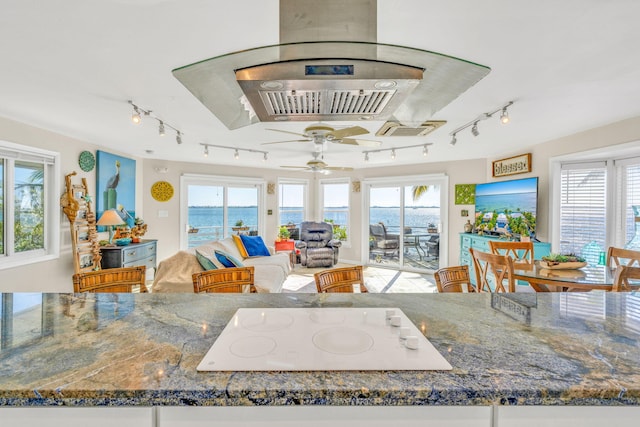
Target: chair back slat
<point>520,252</point>
<point>452,279</point>
<point>340,279</point>
<point>619,256</point>
<point>111,280</point>
<point>487,265</point>
<point>225,280</point>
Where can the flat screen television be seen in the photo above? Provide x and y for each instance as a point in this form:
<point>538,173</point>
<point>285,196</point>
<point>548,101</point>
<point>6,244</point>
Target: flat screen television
<point>513,197</point>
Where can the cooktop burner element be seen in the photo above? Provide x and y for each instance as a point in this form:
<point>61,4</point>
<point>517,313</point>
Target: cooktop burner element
<point>321,339</point>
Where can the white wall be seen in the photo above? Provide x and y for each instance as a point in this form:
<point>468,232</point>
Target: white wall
<point>55,276</point>
<point>608,137</point>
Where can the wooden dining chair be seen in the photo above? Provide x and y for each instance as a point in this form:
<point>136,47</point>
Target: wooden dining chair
<point>111,280</point>
<point>227,280</point>
<point>487,265</point>
<point>520,252</point>
<point>340,279</point>
<point>616,257</point>
<point>453,279</point>
<point>622,276</point>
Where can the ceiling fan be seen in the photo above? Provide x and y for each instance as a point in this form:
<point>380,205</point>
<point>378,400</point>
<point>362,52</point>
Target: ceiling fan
<point>317,165</point>
<point>321,133</point>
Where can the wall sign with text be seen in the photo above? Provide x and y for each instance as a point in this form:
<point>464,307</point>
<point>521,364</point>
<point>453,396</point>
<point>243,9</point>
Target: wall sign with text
<point>512,165</point>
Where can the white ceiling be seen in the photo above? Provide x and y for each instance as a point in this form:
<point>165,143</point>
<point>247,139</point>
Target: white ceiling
<point>71,65</point>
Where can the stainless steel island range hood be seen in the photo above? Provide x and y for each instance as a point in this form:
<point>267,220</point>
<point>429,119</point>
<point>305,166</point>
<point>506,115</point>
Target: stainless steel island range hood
<point>328,67</point>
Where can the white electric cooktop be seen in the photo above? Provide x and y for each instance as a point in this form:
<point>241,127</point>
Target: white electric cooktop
<point>320,339</point>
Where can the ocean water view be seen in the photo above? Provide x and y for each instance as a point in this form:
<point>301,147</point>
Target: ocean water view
<point>208,220</point>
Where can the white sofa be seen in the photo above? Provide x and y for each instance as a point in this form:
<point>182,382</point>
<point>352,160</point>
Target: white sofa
<point>174,273</point>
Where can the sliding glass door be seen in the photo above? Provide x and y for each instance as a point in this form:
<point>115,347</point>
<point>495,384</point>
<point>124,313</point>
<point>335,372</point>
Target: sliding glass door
<point>215,209</point>
<point>405,222</point>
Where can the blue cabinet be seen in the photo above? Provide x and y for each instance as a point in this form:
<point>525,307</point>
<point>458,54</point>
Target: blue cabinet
<point>481,243</point>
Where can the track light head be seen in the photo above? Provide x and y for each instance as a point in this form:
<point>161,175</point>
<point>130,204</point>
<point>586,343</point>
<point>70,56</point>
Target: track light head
<point>366,157</point>
<point>161,131</point>
<point>425,151</point>
<point>393,154</point>
<point>236,155</point>
<point>474,129</point>
<point>206,151</point>
<point>265,157</point>
<point>453,140</point>
<point>135,117</point>
<point>504,116</point>
<point>178,137</point>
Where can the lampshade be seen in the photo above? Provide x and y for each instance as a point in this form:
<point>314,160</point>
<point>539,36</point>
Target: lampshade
<point>110,217</point>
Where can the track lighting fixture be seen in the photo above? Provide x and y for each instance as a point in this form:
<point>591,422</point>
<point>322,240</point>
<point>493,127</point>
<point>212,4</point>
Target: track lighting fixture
<point>136,118</point>
<point>236,151</point>
<point>504,118</point>
<point>425,150</point>
<point>474,129</point>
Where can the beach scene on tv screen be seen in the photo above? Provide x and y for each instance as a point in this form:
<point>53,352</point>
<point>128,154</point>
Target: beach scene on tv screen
<point>514,197</point>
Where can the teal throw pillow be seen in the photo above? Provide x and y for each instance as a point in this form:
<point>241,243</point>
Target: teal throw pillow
<point>254,245</point>
<point>205,262</point>
<point>228,260</point>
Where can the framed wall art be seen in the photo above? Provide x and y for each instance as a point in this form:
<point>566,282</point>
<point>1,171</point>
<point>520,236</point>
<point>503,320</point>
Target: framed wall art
<point>512,165</point>
<point>115,185</point>
<point>465,194</point>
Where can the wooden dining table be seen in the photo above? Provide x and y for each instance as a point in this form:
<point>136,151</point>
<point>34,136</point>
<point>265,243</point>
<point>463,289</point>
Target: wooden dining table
<point>587,278</point>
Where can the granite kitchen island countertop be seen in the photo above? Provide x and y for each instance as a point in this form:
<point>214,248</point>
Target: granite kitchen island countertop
<point>143,349</point>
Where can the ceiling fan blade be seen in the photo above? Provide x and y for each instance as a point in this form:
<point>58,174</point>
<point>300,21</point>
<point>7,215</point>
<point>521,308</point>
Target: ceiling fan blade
<point>350,131</point>
<point>338,168</point>
<point>295,167</point>
<point>360,142</point>
<point>281,142</point>
<point>286,131</point>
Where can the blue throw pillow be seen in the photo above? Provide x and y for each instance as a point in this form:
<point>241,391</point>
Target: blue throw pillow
<point>227,260</point>
<point>254,245</point>
<point>205,262</point>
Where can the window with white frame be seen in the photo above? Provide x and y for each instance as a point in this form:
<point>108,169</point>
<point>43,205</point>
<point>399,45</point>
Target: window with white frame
<point>29,214</point>
<point>334,199</point>
<point>292,202</point>
<point>598,205</point>
<point>215,207</point>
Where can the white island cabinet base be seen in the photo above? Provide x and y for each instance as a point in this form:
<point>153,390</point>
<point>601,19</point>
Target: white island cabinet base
<point>326,416</point>
<point>566,416</point>
<point>77,417</point>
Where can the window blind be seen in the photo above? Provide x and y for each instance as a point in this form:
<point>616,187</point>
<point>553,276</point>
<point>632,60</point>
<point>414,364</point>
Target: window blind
<point>583,210</point>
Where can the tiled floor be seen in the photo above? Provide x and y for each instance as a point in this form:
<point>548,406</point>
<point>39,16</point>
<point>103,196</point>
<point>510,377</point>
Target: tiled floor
<point>380,280</point>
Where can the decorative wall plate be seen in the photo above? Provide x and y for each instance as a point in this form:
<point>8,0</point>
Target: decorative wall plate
<point>162,191</point>
<point>87,161</point>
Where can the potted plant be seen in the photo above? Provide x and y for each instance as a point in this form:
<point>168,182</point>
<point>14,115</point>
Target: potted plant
<point>240,226</point>
<point>284,233</point>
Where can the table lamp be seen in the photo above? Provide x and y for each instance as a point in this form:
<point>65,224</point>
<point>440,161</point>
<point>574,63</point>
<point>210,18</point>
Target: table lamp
<point>110,218</point>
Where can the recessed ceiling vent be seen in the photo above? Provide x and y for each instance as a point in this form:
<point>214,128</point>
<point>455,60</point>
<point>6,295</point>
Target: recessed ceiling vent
<point>398,129</point>
<point>329,89</point>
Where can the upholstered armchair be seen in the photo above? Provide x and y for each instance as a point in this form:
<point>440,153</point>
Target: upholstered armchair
<point>317,246</point>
